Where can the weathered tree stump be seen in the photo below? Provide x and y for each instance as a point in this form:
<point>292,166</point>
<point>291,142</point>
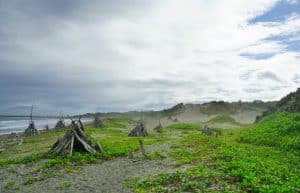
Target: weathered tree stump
<point>139,130</point>
<point>98,123</point>
<point>31,129</point>
<point>75,140</point>
<point>206,130</point>
<point>143,151</point>
<point>60,124</point>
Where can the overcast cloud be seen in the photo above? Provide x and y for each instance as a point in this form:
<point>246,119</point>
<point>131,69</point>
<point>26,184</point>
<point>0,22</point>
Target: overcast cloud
<point>81,56</point>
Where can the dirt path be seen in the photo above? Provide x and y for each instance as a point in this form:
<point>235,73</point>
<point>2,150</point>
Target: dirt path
<point>108,176</point>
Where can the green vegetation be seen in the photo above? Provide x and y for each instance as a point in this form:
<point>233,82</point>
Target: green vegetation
<point>227,164</point>
<point>185,126</point>
<point>177,109</point>
<point>114,140</point>
<point>289,104</point>
<point>223,119</point>
<point>261,158</point>
<point>11,185</point>
<point>281,130</point>
<point>118,122</point>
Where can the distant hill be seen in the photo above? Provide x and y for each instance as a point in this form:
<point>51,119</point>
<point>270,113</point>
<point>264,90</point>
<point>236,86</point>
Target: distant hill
<point>238,112</point>
<point>289,103</point>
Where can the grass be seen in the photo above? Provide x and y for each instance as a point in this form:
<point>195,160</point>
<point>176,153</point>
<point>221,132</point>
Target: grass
<point>118,122</point>
<point>281,130</point>
<point>261,158</point>
<point>225,164</point>
<point>185,126</point>
<point>223,119</point>
<point>114,140</point>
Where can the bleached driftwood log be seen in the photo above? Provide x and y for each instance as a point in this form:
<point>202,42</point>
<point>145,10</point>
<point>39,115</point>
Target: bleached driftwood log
<point>75,139</point>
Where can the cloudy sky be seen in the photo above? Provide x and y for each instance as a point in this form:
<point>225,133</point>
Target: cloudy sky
<point>79,56</point>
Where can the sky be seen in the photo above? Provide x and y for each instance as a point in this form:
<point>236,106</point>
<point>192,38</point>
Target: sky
<point>76,56</point>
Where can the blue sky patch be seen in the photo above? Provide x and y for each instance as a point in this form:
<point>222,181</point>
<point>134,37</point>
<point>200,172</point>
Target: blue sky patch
<point>278,13</point>
<point>261,56</point>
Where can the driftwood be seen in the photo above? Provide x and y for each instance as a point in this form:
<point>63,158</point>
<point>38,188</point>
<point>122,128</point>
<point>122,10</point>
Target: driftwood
<point>98,123</point>
<point>139,130</point>
<point>206,130</point>
<point>31,129</point>
<point>143,149</point>
<point>75,140</point>
<point>60,124</point>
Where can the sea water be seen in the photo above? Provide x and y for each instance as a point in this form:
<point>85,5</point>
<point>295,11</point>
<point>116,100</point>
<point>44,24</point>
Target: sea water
<point>19,124</point>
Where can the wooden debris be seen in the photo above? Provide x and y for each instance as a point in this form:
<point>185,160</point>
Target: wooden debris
<point>98,123</point>
<point>75,139</point>
<point>31,129</point>
<point>206,130</point>
<point>60,124</point>
<point>139,130</point>
<point>143,149</point>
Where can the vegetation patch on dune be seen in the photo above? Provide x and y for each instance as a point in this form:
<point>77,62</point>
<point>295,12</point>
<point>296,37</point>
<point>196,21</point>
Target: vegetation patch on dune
<point>224,165</point>
<point>223,119</point>
<point>185,126</point>
<point>281,130</point>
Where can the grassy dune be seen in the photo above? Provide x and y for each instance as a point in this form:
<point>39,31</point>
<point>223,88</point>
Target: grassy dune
<point>261,158</point>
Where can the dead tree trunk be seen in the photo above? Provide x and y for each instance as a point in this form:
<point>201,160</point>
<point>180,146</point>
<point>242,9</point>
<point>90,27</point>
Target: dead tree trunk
<point>60,124</point>
<point>143,149</point>
<point>206,130</point>
<point>98,122</point>
<point>139,130</point>
<point>31,129</point>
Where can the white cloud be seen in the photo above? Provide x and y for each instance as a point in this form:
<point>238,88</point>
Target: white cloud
<point>199,42</point>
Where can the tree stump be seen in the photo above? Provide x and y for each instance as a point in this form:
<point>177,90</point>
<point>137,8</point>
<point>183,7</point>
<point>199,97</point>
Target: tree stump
<point>31,130</point>
<point>139,130</point>
<point>60,124</point>
<point>206,130</point>
<point>98,123</point>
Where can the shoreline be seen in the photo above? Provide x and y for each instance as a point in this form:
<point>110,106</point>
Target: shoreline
<point>19,134</point>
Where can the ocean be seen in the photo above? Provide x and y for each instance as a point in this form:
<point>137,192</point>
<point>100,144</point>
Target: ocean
<point>19,124</point>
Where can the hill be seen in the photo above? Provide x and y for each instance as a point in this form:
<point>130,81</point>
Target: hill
<point>240,112</point>
<point>289,103</point>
